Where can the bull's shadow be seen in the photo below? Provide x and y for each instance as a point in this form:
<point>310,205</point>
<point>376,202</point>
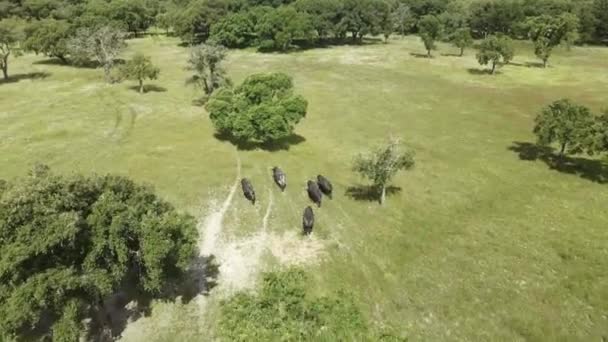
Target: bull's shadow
<point>278,145</point>
<point>370,193</point>
<point>590,169</point>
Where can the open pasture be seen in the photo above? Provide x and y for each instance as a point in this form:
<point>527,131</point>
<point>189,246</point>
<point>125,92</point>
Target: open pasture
<point>481,241</point>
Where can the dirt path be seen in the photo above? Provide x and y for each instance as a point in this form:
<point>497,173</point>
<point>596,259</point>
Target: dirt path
<point>212,226</point>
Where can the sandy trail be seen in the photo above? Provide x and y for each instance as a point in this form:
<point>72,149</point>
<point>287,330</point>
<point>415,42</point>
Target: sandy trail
<point>212,225</point>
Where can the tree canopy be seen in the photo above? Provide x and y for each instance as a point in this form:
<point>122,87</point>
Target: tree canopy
<point>68,242</point>
<point>547,32</point>
<point>140,68</point>
<point>49,37</point>
<point>262,109</point>
<point>462,39</point>
<point>565,123</point>
<point>430,30</point>
<point>494,50</point>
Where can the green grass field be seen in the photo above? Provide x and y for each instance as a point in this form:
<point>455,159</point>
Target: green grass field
<point>478,244</point>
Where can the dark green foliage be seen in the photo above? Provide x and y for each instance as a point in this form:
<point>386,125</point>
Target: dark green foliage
<point>565,123</point>
<point>235,30</point>
<point>69,242</point>
<point>278,28</point>
<point>193,23</point>
<point>490,17</point>
<point>495,50</point>
<point>430,30</point>
<point>262,109</point>
<point>324,15</point>
<point>283,310</point>
<point>49,37</point>
<point>599,142</point>
<point>600,10</point>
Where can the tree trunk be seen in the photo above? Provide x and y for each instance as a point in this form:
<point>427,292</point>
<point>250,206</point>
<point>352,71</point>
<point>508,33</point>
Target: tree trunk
<point>461,51</point>
<point>563,149</point>
<point>141,86</point>
<point>4,66</point>
<point>383,195</point>
<point>544,63</point>
<point>428,53</point>
<point>493,68</point>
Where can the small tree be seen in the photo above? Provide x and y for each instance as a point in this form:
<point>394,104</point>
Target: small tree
<point>547,32</point>
<point>494,50</point>
<point>462,39</point>
<point>206,62</point>
<point>263,109</point>
<point>11,34</point>
<point>381,164</point>
<point>103,45</point>
<point>140,68</point>
<point>565,123</point>
<point>430,29</point>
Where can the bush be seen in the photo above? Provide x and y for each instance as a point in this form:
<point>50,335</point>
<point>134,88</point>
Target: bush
<point>284,311</point>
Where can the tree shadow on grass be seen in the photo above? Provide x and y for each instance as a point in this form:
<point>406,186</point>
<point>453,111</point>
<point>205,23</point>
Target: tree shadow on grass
<point>488,72</point>
<point>278,145</point>
<point>150,88</point>
<point>451,55</point>
<point>369,192</point>
<point>28,76</point>
<point>538,65</point>
<point>420,55</point>
<point>129,305</point>
<point>59,62</point>
<point>590,169</point>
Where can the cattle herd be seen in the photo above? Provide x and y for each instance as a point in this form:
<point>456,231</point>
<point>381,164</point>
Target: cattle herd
<point>315,193</point>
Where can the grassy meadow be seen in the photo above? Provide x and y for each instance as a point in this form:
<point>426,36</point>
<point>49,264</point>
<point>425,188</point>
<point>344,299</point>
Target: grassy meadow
<point>481,241</point>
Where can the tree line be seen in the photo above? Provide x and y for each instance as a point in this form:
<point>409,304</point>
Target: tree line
<point>93,31</point>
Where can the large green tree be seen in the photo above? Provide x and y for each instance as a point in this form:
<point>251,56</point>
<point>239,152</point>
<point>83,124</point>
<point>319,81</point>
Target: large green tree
<point>11,35</point>
<point>263,109</point>
<point>49,37</point>
<point>430,30</point>
<point>69,242</point>
<point>381,164</point>
<point>139,69</point>
<point>565,123</point>
<point>235,30</point>
<point>280,27</point>
<point>495,50</point>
